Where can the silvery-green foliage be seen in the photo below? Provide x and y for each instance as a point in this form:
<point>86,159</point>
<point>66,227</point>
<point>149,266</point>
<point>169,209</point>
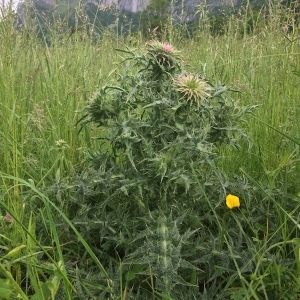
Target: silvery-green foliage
<point>161,251</point>
<point>159,130</point>
<point>151,133</point>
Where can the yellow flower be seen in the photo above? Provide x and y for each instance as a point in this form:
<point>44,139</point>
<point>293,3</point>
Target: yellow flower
<point>232,201</point>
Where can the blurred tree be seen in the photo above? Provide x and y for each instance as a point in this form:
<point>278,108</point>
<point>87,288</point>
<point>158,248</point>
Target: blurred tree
<point>154,18</point>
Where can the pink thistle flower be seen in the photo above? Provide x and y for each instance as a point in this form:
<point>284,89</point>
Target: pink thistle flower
<point>165,53</point>
<point>167,47</point>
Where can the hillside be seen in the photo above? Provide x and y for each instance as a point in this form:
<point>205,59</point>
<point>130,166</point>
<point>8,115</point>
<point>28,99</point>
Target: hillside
<point>126,5</point>
<point>126,15</point>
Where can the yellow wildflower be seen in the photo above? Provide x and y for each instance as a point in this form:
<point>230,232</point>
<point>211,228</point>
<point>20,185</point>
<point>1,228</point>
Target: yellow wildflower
<point>232,201</point>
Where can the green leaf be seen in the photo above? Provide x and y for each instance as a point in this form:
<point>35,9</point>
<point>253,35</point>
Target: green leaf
<point>14,252</point>
<point>6,290</point>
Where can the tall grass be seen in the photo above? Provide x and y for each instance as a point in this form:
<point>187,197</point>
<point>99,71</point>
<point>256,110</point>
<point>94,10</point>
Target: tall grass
<point>44,85</point>
<point>261,67</point>
<point>43,89</point>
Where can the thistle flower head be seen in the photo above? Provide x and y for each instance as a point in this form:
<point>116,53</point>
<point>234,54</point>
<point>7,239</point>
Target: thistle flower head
<point>192,88</point>
<point>159,47</point>
<point>164,53</point>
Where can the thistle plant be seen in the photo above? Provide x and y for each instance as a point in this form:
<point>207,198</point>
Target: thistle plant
<point>155,122</point>
<point>159,131</point>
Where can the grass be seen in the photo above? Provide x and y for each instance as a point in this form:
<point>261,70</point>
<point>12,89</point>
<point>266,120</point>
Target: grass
<point>44,89</point>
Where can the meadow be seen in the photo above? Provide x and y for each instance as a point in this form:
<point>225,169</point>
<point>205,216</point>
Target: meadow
<point>90,211</point>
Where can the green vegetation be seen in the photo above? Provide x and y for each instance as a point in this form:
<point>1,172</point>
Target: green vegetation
<point>118,155</point>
